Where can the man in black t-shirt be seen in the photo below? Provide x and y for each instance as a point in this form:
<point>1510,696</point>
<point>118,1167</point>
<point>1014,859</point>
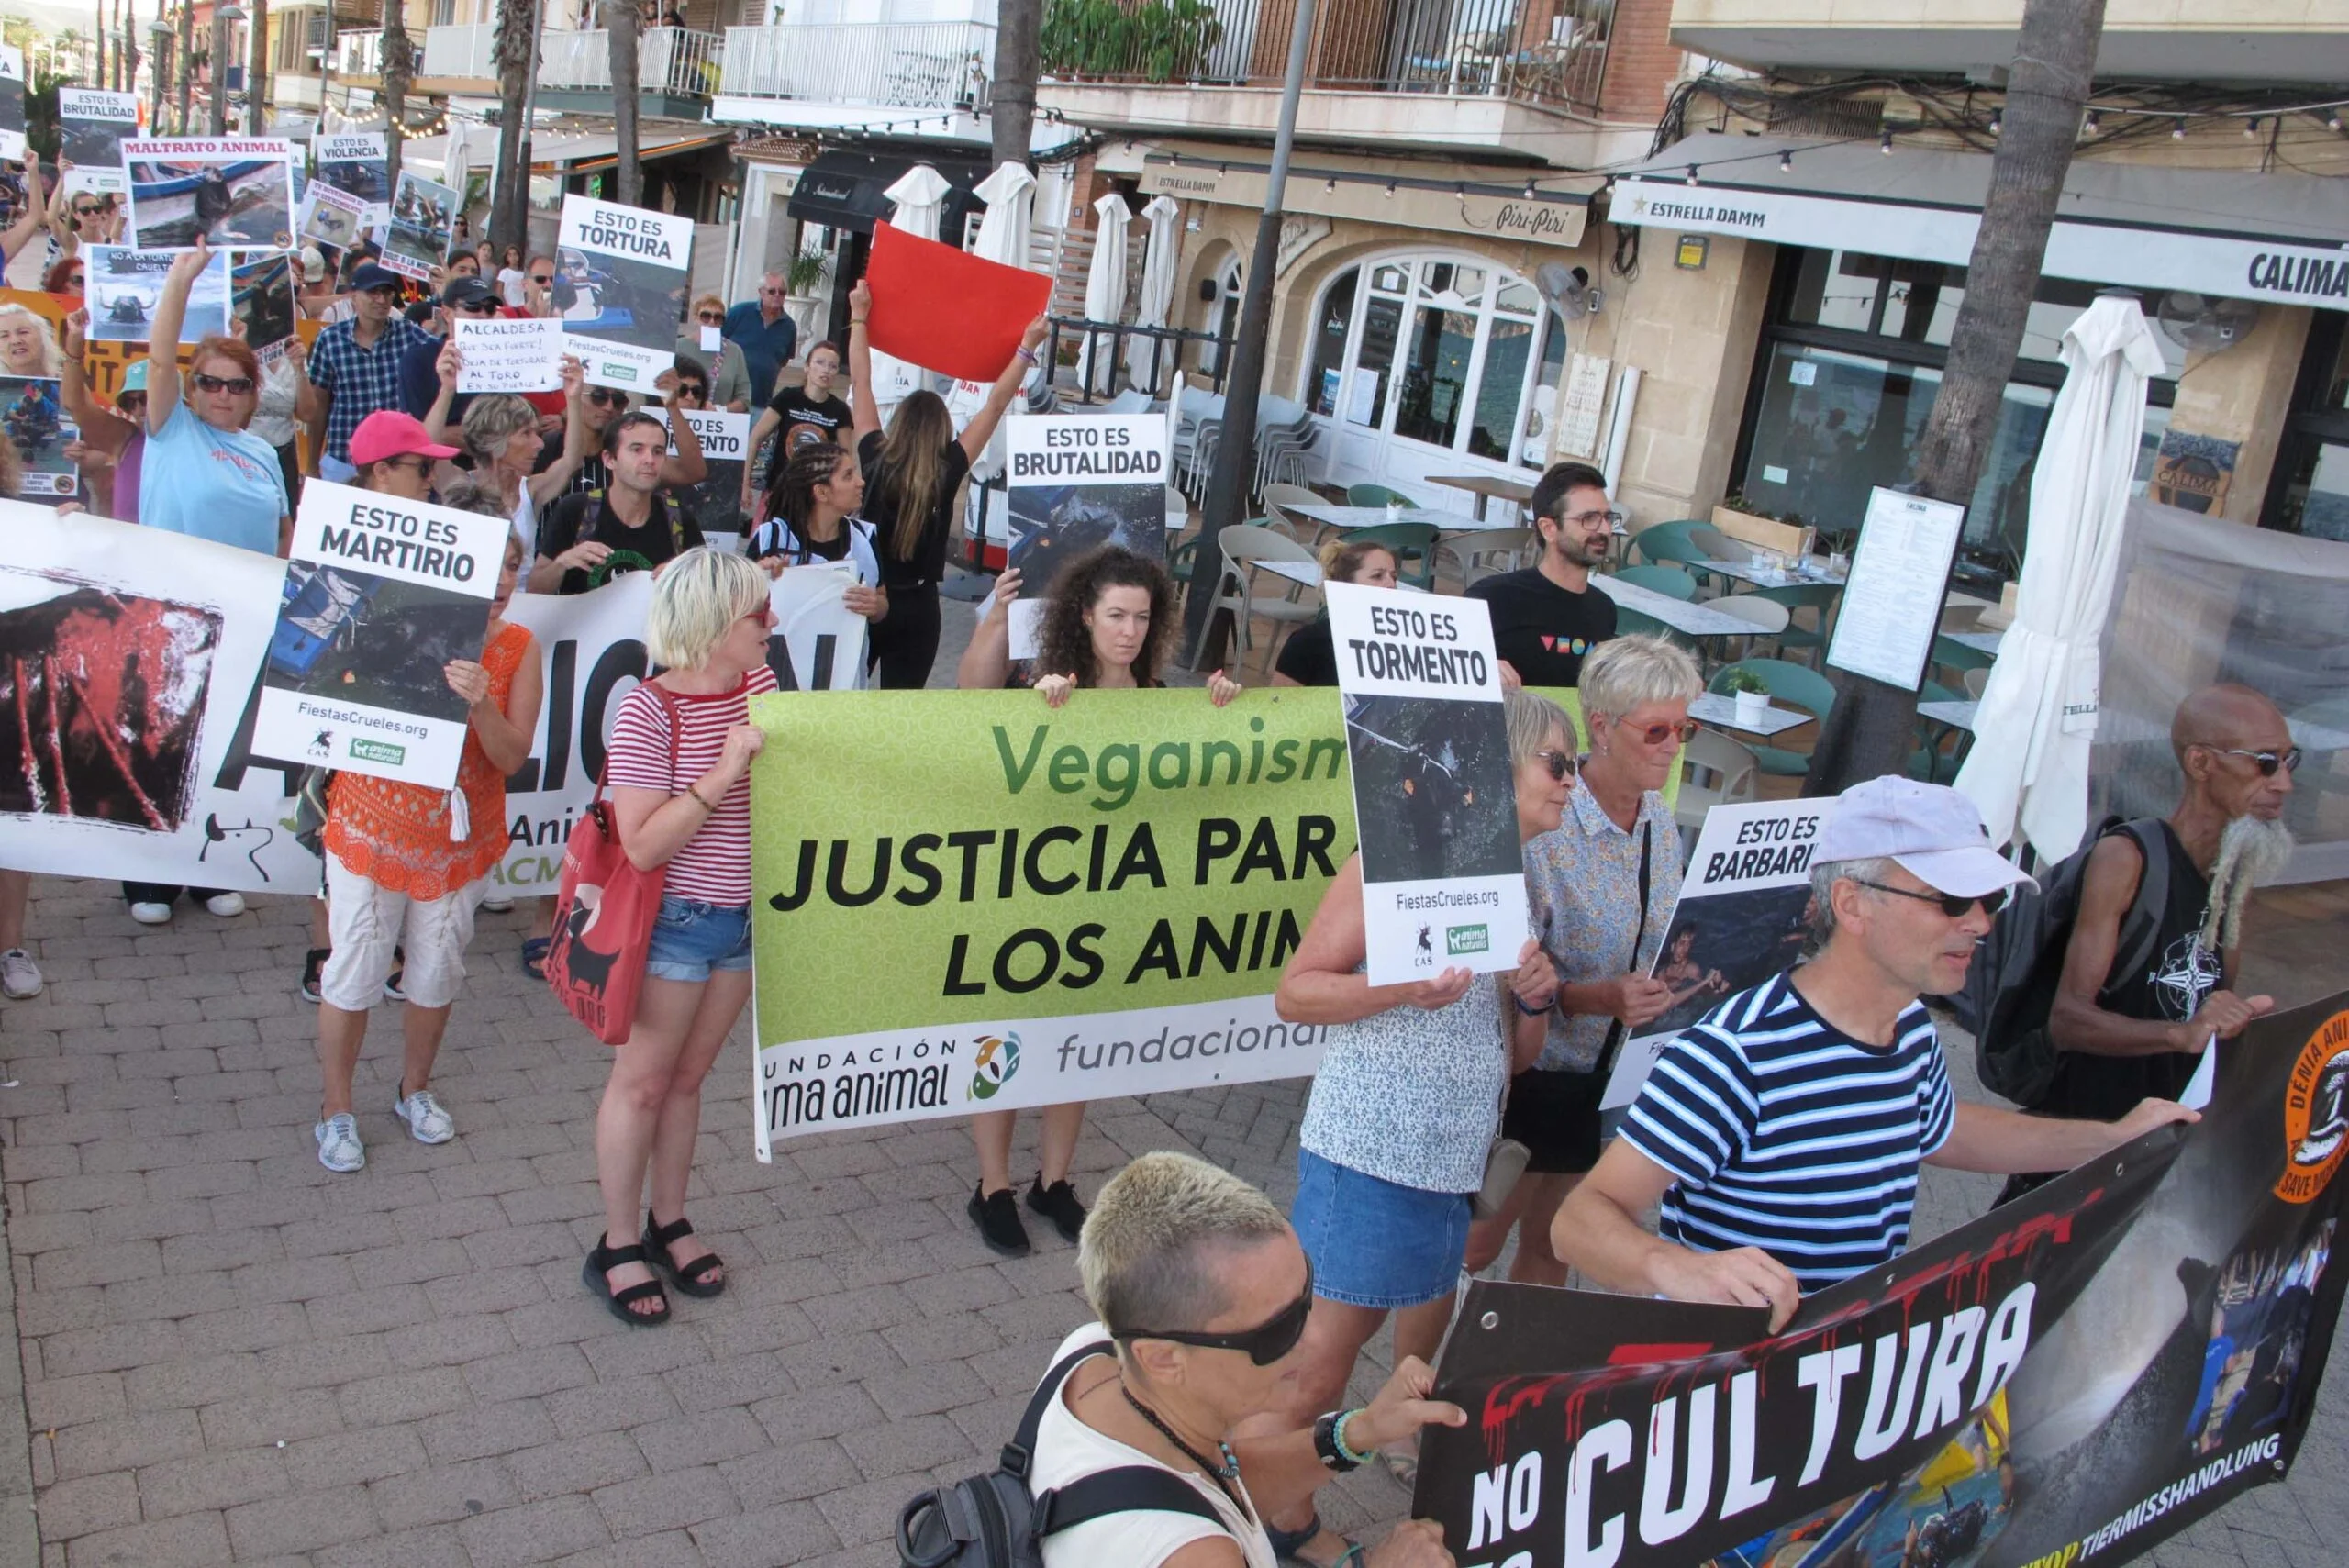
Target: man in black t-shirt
<point>602,407</point>
<point>1547,616</point>
<point>2120,1037</point>
<point>635,520</point>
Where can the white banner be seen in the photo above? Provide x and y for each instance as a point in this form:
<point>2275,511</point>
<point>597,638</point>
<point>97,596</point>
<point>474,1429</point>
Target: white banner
<point>621,280</point>
<point>130,676</point>
<point>818,641</point>
<point>1435,800</point>
<point>12,104</point>
<point>381,595</point>
<point>92,127</point>
<point>510,355</point>
<point>235,191</point>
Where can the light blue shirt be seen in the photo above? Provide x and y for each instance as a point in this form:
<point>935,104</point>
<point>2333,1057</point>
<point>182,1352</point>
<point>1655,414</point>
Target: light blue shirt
<point>224,486</point>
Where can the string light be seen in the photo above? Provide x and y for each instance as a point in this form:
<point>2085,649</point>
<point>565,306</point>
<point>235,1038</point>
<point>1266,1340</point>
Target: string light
<point>2177,131</point>
<point>1998,122</point>
<point>1884,143</point>
<point>1529,190</point>
<point>2096,122</point>
<point>1785,162</point>
<point>2332,120</point>
<point>2251,128</point>
<point>1390,187</point>
<point>1692,173</point>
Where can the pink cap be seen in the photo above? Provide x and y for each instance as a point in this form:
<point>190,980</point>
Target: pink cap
<point>388,433</point>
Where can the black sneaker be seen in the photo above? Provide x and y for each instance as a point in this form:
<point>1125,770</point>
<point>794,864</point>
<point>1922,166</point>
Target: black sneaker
<point>313,963</point>
<point>399,972</point>
<point>997,1216</point>
<point>1058,1204</point>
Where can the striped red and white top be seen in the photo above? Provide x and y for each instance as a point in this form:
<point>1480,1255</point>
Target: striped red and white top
<point>713,865</point>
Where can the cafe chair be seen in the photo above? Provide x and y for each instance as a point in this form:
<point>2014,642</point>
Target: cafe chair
<point>1768,616</point>
<point>1414,545</point>
<point>1244,545</point>
<point>1798,597</point>
<point>1669,581</point>
<point>1280,497</point>
<point>1790,685</point>
<point>1714,770</point>
<point>1376,496</point>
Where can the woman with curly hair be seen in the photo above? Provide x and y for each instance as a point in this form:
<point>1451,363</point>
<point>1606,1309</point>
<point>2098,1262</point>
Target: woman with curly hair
<point>1105,628</point>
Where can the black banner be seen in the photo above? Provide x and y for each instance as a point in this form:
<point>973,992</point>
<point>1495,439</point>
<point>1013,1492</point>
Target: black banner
<point>2074,1376</point>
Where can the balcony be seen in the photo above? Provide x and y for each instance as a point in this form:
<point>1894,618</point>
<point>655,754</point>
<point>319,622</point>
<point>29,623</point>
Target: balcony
<point>2206,41</point>
<point>359,55</point>
<point>853,72</point>
<point>466,54</point>
<point>1448,75</point>
<point>677,69</point>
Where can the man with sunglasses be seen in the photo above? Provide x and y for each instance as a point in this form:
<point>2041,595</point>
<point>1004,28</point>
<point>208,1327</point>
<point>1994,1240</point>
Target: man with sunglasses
<point>2128,1026</point>
<point>767,335</point>
<point>355,370</point>
<point>1547,616</point>
<point>464,299</point>
<point>1781,1135</point>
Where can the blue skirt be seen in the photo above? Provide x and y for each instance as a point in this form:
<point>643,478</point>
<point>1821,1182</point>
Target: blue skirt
<point>1374,1242</point>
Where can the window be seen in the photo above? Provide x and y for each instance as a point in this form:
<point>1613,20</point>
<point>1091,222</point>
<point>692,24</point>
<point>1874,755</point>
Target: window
<point>1222,315</point>
<point>1330,327</point>
<point>2310,494</point>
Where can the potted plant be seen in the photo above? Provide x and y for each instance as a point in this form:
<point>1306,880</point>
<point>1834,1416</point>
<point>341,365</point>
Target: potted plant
<point>1749,522</point>
<point>1752,696</point>
<point>801,279</point>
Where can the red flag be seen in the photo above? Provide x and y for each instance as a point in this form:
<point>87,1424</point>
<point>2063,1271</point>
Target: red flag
<point>946,310</point>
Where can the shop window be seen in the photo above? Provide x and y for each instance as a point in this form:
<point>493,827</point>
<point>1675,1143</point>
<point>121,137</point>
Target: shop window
<point>1222,315</point>
<point>1330,327</point>
<point>1435,376</point>
<point>2310,494</point>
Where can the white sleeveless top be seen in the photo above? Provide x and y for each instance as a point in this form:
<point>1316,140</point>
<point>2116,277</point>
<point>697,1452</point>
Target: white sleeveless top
<point>1067,1449</point>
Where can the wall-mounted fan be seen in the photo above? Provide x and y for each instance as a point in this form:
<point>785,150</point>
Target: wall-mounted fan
<point>2204,324</point>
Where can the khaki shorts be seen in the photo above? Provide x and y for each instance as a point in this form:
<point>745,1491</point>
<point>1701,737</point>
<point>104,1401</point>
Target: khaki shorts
<point>366,922</point>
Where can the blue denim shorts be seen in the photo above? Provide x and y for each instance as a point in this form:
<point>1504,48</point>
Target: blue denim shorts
<point>1374,1242</point>
<point>690,939</point>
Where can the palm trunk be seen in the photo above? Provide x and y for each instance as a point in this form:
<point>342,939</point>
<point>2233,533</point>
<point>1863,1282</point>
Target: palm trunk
<point>98,67</point>
<point>1870,731</point>
<point>1012,97</point>
<point>518,49</point>
<point>399,70</point>
<point>619,18</point>
<point>187,63</point>
<point>257,72</point>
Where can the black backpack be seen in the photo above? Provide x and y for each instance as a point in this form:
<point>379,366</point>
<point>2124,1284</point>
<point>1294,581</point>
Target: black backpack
<point>2011,985</point>
<point>994,1521</point>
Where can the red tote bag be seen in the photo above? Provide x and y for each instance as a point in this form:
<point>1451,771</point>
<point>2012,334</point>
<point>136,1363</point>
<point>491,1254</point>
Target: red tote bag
<point>604,910</point>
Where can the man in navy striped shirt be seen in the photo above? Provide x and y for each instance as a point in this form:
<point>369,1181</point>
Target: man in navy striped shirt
<point>1781,1134</point>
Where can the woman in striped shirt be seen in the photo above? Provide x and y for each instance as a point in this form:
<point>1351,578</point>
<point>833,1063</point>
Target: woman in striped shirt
<point>678,770</point>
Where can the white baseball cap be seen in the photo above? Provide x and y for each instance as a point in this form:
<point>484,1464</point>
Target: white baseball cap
<point>1929,830</point>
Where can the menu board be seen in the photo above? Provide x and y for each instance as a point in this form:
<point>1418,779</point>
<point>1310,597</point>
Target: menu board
<point>1892,605</point>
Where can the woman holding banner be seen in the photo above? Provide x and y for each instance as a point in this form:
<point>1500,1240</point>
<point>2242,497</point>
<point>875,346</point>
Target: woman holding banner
<point>811,518</point>
<point>911,474</point>
<point>1104,629</point>
<point>678,770</point>
<point>1310,658</point>
<point>1402,1115</point>
<point>1603,888</point>
<point>406,864</point>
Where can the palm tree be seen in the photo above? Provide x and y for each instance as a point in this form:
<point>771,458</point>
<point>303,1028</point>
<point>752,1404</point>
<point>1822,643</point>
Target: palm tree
<point>257,74</point>
<point>1012,97</point>
<point>517,50</point>
<point>399,71</point>
<point>619,20</point>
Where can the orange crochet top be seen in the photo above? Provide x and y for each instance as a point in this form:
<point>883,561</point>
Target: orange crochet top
<point>397,835</point>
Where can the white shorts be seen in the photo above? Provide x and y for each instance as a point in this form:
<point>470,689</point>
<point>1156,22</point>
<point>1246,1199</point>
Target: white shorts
<point>366,922</point>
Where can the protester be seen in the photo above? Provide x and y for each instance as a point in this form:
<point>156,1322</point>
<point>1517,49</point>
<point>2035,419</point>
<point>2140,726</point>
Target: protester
<point>765,333</point>
<point>1199,1293</point>
<point>83,218</point>
<point>65,276</point>
<point>1603,888</point>
<point>355,370</point>
<point>464,299</point>
<point>812,412</point>
<point>1547,616</point>
<point>636,520</point>
<point>28,347</point>
<point>500,436</point>
<point>1309,657</point>
<point>28,222</point>
<point>513,278</point>
<point>406,865</point>
<point>678,770</point>
<point>320,297</point>
<point>811,518</point>
<point>204,473</point>
<point>2123,1037</point>
<point>276,417</point>
<point>537,290</point>
<point>1401,1115</point>
<point>599,407</point>
<point>1782,1133</point>
<point>117,435</point>
<point>485,260</point>
<point>729,373</point>
<point>911,474</point>
<point>463,265</point>
<point>20,978</point>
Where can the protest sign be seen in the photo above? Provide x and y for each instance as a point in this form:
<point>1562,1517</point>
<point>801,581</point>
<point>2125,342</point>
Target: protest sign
<point>1435,802</point>
<point>333,218</point>
<point>2074,1377</point>
<point>619,286</point>
<point>380,596</point>
<point>92,127</point>
<point>261,301</point>
<point>1744,913</point>
<point>122,285</point>
<point>946,310</point>
<point>725,437</point>
<point>355,165</point>
<point>12,102</point>
<point>423,215</point>
<point>34,416</point>
<point>505,355</point>
<point>1078,481</point>
<point>230,191</point>
<point>1078,902</point>
<point>130,665</point>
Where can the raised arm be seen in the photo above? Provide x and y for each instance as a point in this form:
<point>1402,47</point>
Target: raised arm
<point>987,663</point>
<point>448,367</point>
<point>865,415</point>
<point>546,486</point>
<point>37,212</point>
<point>163,334</point>
<point>686,465</point>
<point>102,427</point>
<point>981,430</point>
<point>506,733</point>
<point>766,425</point>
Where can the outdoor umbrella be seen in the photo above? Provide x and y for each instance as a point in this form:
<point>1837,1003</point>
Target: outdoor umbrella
<point>921,194</point>
<point>1158,263</point>
<point>1105,285</point>
<point>1010,195</point>
<point>2028,769</point>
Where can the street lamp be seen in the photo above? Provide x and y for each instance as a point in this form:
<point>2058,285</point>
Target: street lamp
<point>160,38</point>
<point>221,17</point>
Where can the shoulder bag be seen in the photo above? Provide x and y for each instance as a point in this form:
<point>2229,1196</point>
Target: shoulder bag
<point>604,911</point>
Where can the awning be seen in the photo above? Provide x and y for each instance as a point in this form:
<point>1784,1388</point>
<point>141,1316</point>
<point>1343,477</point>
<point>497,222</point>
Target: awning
<point>844,189</point>
<point>572,152</point>
<point>2246,236</point>
<point>1535,207</point>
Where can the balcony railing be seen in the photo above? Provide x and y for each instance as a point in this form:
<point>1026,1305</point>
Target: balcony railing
<point>468,52</point>
<point>674,61</point>
<point>359,53</point>
<point>1551,52</point>
<point>931,65</point>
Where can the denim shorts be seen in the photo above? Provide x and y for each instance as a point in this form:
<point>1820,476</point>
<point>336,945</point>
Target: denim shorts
<point>1374,1242</point>
<point>690,939</point>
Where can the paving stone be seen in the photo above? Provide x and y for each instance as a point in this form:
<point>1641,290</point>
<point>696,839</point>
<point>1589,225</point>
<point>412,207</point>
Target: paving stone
<point>86,1506</point>
<point>532,1533</point>
<point>302,1522</point>
<point>575,1466</point>
<point>212,1482</point>
<point>189,1541</point>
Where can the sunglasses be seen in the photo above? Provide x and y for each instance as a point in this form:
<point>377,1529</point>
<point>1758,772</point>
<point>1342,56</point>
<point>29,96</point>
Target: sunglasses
<point>88,211</point>
<point>1950,904</point>
<point>480,307</point>
<point>764,615</point>
<point>603,399</point>
<point>543,279</point>
<point>1656,734</point>
<point>1264,1344</point>
<point>2269,762</point>
<point>692,389</point>
<point>715,318</point>
<point>1559,764</point>
<point>240,384</point>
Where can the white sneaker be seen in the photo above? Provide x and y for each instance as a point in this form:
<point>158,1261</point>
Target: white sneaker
<point>339,1146</point>
<point>19,976</point>
<point>427,1122</point>
<point>227,905</point>
<point>498,906</point>
<point>151,914</point>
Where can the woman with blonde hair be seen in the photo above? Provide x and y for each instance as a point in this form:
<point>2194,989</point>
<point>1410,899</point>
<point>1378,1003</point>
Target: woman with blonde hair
<point>500,433</point>
<point>28,346</point>
<point>678,774</point>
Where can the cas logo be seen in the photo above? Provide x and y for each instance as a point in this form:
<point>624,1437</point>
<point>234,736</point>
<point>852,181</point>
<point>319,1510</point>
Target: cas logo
<point>2316,1113</point>
<point>996,1064</point>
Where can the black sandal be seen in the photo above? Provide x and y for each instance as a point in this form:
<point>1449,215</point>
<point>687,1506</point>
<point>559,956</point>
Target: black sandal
<point>621,1302</point>
<point>693,1279</point>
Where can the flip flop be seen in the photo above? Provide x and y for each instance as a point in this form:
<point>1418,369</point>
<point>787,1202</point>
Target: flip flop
<point>534,957</point>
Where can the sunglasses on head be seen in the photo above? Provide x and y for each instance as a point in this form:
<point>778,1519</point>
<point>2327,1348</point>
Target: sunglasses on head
<point>2266,762</point>
<point>1559,763</point>
<point>1263,1345</point>
<point>1950,904</point>
<point>240,384</point>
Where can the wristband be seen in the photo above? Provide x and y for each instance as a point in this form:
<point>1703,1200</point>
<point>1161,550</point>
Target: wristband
<point>1338,1432</point>
<point>1330,1449</point>
<point>1529,1012</point>
<point>1028,354</point>
<point>695,790</point>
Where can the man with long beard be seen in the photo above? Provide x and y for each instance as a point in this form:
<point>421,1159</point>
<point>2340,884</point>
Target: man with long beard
<point>2123,1037</point>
